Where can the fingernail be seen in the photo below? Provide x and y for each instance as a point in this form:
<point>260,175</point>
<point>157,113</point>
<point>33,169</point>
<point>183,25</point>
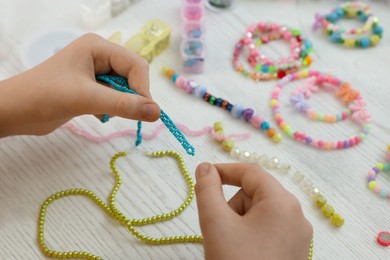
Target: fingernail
<point>150,111</point>
<point>202,170</point>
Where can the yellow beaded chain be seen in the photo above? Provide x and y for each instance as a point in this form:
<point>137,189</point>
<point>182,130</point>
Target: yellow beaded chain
<point>112,211</point>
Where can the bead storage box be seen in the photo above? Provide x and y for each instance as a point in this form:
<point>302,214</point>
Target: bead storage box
<point>192,48</point>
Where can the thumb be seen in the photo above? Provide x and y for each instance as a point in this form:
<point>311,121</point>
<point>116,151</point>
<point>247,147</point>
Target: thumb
<point>109,101</point>
<point>211,202</point>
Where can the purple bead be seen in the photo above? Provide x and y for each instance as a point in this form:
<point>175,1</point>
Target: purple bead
<point>308,139</point>
<point>237,111</point>
<point>247,114</point>
<point>371,178</point>
<point>375,169</point>
<point>346,144</point>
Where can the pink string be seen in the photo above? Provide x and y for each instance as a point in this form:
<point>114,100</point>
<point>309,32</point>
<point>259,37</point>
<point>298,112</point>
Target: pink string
<point>132,132</point>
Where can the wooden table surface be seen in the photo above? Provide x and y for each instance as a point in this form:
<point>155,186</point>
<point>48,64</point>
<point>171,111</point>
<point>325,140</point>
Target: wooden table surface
<point>32,168</point>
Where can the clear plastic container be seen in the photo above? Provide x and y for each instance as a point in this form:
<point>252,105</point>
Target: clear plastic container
<point>193,54</point>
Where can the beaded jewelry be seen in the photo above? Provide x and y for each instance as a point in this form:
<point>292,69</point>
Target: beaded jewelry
<point>237,111</point>
<point>112,211</point>
<point>274,163</point>
<point>350,38</point>
<point>348,95</point>
<point>355,106</point>
<point>120,84</point>
<point>263,67</point>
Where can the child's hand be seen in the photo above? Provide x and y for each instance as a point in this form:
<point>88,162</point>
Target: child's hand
<point>41,99</point>
<point>262,221</point>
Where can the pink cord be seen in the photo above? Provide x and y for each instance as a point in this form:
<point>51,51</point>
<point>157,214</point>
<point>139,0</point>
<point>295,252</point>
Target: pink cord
<point>132,132</point>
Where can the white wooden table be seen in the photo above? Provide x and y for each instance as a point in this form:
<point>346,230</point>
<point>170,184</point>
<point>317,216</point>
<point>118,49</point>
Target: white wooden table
<point>33,168</point>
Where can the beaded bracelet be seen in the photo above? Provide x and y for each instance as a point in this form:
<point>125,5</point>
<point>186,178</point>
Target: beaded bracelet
<point>263,67</point>
<point>355,105</point>
<point>120,84</point>
<point>237,111</point>
<point>348,95</point>
<point>350,38</point>
<point>273,163</point>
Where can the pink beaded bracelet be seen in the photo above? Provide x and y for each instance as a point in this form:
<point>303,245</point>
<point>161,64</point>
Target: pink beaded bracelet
<point>348,95</point>
<point>265,68</point>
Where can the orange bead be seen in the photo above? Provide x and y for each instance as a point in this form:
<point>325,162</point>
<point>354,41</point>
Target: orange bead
<point>170,73</point>
<point>271,132</point>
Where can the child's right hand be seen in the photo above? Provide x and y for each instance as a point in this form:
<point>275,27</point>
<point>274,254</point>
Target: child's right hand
<point>261,221</point>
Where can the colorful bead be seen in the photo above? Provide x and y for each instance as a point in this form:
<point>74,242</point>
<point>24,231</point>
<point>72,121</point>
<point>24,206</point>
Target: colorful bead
<point>264,68</point>
<point>384,238</point>
<point>237,111</point>
<point>348,37</point>
<point>356,109</point>
<point>371,179</point>
<point>337,219</point>
<point>327,210</point>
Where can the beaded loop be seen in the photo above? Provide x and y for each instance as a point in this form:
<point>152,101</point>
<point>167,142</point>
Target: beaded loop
<point>111,210</point>
<point>237,111</point>
<point>350,38</point>
<point>348,95</point>
<point>264,68</point>
<point>120,84</point>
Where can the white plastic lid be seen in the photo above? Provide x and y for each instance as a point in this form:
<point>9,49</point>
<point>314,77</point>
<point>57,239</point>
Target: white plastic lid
<point>44,45</point>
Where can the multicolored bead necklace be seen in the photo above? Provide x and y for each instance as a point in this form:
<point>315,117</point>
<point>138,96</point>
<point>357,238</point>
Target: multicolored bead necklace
<point>112,211</point>
<point>120,84</point>
<point>237,111</point>
<point>350,38</point>
<point>274,164</point>
<point>264,68</point>
<point>349,96</point>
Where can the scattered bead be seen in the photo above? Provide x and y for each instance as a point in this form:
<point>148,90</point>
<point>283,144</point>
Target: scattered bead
<point>384,238</point>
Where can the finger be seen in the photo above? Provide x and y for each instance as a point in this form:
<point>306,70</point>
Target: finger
<point>240,202</point>
<point>209,195</point>
<point>109,57</point>
<point>256,182</point>
<point>103,100</point>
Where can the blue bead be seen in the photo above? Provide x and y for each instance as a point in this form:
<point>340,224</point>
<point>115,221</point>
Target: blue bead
<point>199,91</point>
<point>363,18</point>
<point>218,102</point>
<point>339,117</point>
<point>335,37</point>
<point>365,42</point>
<point>383,193</point>
<point>346,144</point>
<point>174,77</point>
<point>377,30</point>
<point>339,12</point>
<point>264,126</point>
<point>237,111</point>
<point>264,68</point>
<point>229,107</point>
<point>105,118</point>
